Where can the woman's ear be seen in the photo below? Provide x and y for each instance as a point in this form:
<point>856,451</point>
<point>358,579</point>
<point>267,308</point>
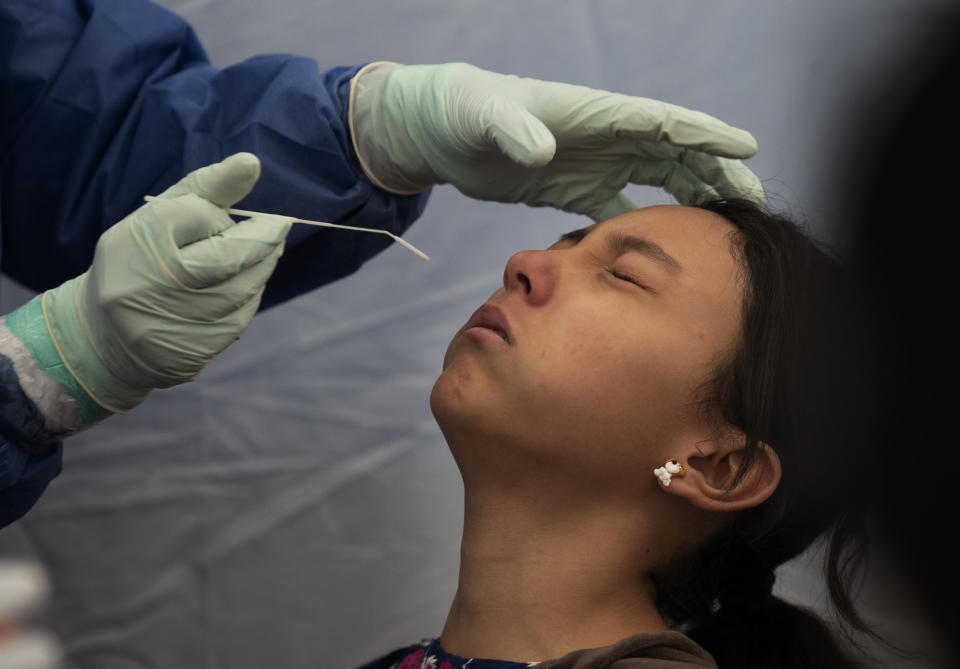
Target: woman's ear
<point>711,468</point>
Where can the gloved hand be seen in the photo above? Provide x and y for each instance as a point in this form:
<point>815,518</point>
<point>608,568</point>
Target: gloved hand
<point>504,138</point>
<point>170,287</point>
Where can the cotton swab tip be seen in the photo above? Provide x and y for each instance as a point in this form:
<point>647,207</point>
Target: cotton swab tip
<point>407,245</point>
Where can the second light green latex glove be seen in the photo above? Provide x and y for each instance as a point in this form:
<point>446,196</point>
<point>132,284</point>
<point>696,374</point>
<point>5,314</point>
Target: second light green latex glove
<point>170,287</point>
<point>510,139</point>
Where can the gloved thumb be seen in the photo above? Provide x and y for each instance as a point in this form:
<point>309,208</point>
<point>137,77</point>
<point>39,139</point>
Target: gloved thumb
<point>519,134</point>
<point>618,204</point>
<point>224,184</point>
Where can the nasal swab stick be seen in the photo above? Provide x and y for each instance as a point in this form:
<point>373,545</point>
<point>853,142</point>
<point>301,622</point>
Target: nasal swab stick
<point>243,212</point>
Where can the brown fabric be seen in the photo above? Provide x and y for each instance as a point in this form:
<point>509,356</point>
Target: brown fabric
<point>658,650</point>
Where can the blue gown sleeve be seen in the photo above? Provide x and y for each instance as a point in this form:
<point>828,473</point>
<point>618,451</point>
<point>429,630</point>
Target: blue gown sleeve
<point>105,101</point>
<point>24,476</point>
<point>25,469</point>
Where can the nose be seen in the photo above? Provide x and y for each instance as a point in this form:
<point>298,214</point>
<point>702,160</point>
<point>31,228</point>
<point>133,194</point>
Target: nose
<point>532,275</point>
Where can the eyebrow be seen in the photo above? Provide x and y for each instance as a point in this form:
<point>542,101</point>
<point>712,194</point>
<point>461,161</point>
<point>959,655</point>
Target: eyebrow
<point>621,244</point>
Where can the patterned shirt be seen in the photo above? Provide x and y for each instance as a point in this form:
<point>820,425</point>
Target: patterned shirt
<point>429,655</point>
<point>650,650</point>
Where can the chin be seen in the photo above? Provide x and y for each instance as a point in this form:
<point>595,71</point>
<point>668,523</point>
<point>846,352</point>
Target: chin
<point>449,394</point>
<point>447,405</point>
<point>457,402</point>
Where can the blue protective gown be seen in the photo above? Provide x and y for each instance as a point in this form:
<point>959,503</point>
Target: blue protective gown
<point>105,101</point>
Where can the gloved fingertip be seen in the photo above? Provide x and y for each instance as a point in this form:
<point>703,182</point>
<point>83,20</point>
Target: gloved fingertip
<point>617,205</point>
<point>686,187</point>
<point>525,139</point>
<point>232,179</point>
<point>754,194</point>
<point>696,196</point>
<point>743,144</point>
<point>243,166</point>
<point>740,182</point>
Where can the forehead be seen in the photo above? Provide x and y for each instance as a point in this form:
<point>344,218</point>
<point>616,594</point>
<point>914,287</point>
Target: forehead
<point>701,241</point>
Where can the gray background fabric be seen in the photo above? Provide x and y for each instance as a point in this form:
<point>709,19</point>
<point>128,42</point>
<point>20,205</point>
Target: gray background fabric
<point>296,506</point>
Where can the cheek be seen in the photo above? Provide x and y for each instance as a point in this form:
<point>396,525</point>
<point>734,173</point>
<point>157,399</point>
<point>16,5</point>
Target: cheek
<point>632,376</point>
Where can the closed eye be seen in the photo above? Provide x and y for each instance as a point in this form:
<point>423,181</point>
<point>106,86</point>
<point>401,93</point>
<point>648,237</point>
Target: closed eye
<point>626,277</point>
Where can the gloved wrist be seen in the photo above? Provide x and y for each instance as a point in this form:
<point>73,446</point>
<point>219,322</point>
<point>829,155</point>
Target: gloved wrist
<point>65,405</point>
<point>383,130</point>
<point>72,337</point>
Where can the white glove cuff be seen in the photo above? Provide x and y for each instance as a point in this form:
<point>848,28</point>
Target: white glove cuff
<point>372,141</point>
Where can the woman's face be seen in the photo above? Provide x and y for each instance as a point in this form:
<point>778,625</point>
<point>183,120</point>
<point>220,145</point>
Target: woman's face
<point>606,337</point>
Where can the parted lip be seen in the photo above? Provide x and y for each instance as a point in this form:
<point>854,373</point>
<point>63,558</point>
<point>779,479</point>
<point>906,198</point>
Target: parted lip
<point>491,317</point>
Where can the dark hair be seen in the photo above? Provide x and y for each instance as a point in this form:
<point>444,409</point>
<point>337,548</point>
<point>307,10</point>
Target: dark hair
<point>789,383</point>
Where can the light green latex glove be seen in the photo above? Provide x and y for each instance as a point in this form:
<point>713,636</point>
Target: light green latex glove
<point>509,139</point>
<point>170,287</point>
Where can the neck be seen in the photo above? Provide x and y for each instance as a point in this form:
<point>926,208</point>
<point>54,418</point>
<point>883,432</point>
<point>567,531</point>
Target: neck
<point>543,574</point>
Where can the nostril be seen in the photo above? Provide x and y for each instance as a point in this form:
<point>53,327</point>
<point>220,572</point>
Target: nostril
<point>526,283</point>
